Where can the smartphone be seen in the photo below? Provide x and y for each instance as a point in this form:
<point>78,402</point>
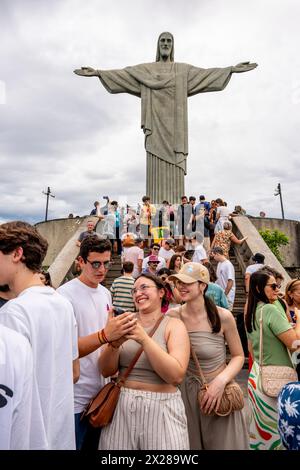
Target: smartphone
<point>118,311</point>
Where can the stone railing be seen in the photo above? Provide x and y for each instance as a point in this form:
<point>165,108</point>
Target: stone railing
<point>67,255</point>
<point>242,227</point>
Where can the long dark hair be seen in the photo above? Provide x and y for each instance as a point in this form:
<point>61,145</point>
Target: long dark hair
<point>172,261</point>
<point>159,284</point>
<point>212,313</point>
<point>258,281</point>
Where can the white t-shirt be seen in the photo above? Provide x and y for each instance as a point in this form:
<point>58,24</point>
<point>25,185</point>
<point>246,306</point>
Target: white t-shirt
<point>162,263</point>
<point>225,271</point>
<point>223,211</point>
<point>199,254</point>
<point>253,268</point>
<point>133,254</point>
<point>90,308</point>
<point>47,320</point>
<point>166,254</point>
<point>18,391</point>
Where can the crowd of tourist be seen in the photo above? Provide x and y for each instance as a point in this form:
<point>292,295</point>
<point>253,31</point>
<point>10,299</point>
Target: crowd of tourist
<point>59,347</point>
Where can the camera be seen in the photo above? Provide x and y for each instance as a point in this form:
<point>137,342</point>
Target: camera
<point>106,197</point>
<point>118,311</point>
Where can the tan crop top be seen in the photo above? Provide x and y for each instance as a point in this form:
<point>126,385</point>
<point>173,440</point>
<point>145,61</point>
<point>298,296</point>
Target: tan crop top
<point>143,371</point>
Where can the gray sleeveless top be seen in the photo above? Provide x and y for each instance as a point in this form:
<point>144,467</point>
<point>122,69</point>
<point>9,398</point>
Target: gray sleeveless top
<point>209,347</point>
<point>210,350</point>
<point>143,371</point>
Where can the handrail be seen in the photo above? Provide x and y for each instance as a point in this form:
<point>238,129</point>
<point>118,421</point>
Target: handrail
<point>242,227</point>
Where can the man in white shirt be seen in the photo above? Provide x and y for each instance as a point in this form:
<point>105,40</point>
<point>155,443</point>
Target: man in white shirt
<point>258,260</point>
<point>155,247</point>
<point>47,320</point>
<point>166,251</point>
<point>16,388</point>
<point>225,274</point>
<point>196,239</point>
<point>91,302</point>
<point>133,252</point>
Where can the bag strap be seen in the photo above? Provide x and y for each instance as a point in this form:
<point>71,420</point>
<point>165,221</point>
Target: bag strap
<point>124,376</point>
<point>261,339</point>
<point>194,355</point>
<point>196,361</point>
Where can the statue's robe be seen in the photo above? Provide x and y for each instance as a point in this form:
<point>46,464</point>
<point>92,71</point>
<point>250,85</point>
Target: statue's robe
<point>164,88</point>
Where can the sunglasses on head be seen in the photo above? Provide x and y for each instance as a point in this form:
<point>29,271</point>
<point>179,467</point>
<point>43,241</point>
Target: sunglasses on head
<point>273,286</point>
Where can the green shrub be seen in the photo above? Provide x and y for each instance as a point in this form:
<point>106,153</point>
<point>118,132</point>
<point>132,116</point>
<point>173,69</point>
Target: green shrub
<point>274,239</point>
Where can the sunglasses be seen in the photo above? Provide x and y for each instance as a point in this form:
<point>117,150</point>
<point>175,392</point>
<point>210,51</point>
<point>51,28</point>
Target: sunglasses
<point>273,286</point>
<point>98,264</point>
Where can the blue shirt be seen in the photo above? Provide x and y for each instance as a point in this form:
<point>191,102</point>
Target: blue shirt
<point>217,294</point>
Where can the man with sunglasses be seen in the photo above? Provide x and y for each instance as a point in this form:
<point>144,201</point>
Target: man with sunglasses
<point>91,302</point>
<point>155,247</point>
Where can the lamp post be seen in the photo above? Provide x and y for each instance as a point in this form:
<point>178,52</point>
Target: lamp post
<point>48,193</point>
<point>276,193</point>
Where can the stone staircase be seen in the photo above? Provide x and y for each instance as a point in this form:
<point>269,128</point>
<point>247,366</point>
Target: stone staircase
<point>114,271</point>
<point>240,296</point>
<point>239,303</point>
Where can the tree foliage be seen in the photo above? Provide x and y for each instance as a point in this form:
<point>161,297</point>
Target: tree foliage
<point>275,239</point>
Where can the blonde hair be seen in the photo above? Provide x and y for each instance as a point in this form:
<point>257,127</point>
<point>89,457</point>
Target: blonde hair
<point>290,287</point>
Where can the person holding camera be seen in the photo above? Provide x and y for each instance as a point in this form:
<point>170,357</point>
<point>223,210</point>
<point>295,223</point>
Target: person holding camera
<point>150,413</point>
<point>91,303</point>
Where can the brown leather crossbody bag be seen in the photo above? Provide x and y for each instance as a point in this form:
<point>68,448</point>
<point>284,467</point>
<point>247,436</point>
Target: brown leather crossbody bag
<point>101,408</point>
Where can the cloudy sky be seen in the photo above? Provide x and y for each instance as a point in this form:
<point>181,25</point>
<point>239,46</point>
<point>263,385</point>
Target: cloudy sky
<point>67,132</point>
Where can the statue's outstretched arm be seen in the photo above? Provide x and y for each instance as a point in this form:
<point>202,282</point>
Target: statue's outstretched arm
<point>87,72</point>
<point>115,81</point>
<point>243,67</point>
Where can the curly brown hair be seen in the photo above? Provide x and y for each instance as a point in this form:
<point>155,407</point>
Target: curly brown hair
<point>21,234</point>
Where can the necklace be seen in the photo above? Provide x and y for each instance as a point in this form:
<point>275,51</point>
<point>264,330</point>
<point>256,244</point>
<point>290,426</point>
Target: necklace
<point>150,322</point>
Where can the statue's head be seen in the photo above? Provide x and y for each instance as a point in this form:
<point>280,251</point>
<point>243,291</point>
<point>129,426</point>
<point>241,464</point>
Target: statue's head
<point>165,47</point>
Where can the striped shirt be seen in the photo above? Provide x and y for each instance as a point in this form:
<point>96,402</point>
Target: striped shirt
<point>121,293</point>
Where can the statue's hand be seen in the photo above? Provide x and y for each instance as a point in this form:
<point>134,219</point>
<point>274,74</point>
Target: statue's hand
<point>86,72</point>
<point>243,67</point>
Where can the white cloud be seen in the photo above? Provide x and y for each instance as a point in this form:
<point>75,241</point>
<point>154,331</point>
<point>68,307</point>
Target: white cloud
<point>67,132</point>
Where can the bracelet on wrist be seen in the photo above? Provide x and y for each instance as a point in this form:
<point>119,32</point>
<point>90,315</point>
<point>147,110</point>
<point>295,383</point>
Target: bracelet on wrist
<point>100,338</point>
<point>104,336</point>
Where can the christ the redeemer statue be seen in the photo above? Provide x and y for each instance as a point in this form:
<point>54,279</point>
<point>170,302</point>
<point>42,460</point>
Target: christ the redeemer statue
<point>164,87</point>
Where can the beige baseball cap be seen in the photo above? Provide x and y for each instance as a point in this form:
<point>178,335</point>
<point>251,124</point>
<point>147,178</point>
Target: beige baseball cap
<point>192,272</point>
